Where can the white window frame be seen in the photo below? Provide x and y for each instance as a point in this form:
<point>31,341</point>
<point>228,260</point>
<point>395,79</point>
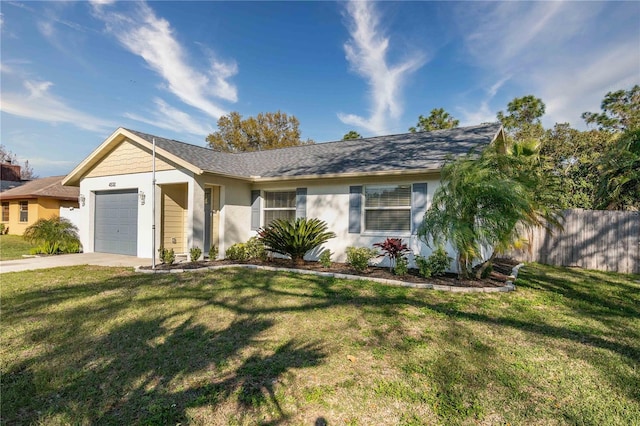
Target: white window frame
<point>365,209</point>
<point>266,209</point>
<point>25,210</point>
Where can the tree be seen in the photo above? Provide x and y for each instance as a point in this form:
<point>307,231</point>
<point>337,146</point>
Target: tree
<point>523,118</point>
<point>438,119</point>
<point>265,131</point>
<point>570,158</point>
<point>352,134</point>
<point>488,200</point>
<point>26,171</point>
<point>619,184</point>
<point>620,111</point>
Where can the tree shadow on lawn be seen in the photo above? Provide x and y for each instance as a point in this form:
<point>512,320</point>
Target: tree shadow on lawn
<point>134,372</point>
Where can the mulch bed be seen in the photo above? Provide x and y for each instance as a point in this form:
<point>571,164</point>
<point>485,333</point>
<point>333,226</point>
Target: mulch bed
<point>497,278</point>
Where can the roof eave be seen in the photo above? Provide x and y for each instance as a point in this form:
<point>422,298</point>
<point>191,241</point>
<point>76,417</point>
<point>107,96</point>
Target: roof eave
<point>427,170</point>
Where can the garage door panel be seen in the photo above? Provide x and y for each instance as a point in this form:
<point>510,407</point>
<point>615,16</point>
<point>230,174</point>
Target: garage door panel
<point>116,222</point>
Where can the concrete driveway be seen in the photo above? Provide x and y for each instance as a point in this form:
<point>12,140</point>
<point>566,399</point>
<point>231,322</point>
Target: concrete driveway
<point>100,259</point>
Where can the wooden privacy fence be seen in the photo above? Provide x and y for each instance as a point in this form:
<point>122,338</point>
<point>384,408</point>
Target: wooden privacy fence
<point>593,239</point>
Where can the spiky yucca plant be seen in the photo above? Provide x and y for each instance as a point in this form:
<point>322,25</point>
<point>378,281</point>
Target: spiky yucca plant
<point>295,238</point>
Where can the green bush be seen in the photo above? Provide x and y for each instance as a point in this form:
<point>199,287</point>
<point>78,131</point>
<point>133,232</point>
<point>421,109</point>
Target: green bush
<point>359,257</point>
<point>295,238</point>
<point>435,265</point>
<point>46,248</point>
<point>53,235</point>
<point>213,252</point>
<point>401,267</point>
<point>195,253</point>
<point>253,249</point>
<point>167,256</point>
<point>237,252</point>
<point>72,247</point>
<point>325,259</point>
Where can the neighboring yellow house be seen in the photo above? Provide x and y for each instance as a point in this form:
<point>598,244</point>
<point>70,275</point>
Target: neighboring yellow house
<point>37,199</point>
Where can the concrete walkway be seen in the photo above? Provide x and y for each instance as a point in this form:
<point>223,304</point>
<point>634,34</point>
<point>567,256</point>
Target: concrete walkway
<point>100,259</point>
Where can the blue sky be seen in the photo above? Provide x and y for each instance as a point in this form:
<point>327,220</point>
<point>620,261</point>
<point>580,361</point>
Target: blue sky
<point>72,72</point>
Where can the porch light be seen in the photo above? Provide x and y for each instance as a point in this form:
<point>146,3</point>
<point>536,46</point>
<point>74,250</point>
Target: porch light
<point>81,199</point>
<point>142,197</point>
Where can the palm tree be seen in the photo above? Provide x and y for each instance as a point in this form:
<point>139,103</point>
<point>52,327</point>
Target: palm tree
<point>486,200</point>
<point>619,186</point>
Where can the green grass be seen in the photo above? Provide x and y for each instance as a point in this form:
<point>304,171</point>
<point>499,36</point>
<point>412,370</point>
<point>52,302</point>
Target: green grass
<point>92,345</point>
<point>13,247</point>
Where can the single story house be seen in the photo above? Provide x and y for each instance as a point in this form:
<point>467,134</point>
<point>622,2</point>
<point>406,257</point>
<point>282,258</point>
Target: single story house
<point>365,189</point>
<point>36,199</point>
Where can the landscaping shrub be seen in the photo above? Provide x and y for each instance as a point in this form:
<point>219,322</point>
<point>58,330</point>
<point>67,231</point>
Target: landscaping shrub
<point>359,257</point>
<point>237,252</point>
<point>393,248</point>
<point>325,259</point>
<point>213,252</point>
<point>295,238</point>
<point>435,265</point>
<point>53,235</point>
<point>195,253</point>
<point>255,249</point>
<point>401,267</point>
<point>167,256</point>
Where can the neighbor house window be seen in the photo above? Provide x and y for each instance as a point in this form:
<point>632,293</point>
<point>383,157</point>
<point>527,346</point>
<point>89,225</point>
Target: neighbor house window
<point>5,212</point>
<point>387,208</point>
<point>24,211</point>
<point>279,205</point>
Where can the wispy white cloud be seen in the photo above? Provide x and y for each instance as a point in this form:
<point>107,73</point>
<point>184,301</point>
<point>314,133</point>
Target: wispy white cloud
<point>153,39</point>
<point>167,117</point>
<point>38,103</point>
<point>484,113</point>
<point>566,53</point>
<point>366,52</point>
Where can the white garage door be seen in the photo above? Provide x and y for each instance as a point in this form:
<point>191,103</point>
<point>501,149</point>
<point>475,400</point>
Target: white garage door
<point>116,222</point>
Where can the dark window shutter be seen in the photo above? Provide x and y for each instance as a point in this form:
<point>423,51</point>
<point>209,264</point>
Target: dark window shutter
<point>418,205</point>
<point>355,209</point>
<point>255,210</point>
<point>301,202</point>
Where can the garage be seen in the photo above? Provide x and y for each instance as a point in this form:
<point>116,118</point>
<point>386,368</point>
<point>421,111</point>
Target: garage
<point>116,222</point>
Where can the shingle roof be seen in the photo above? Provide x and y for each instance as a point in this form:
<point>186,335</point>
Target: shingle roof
<point>49,187</point>
<point>402,152</point>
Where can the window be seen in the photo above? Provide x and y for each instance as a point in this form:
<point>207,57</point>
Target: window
<point>387,208</point>
<point>5,212</point>
<point>24,211</point>
<point>279,205</point>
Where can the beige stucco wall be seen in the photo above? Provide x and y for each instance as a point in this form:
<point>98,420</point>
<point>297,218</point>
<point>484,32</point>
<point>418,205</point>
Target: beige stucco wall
<point>127,157</point>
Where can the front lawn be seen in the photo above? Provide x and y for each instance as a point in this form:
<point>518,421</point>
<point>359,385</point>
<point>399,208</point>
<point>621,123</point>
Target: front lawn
<point>13,247</point>
<point>89,345</point>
